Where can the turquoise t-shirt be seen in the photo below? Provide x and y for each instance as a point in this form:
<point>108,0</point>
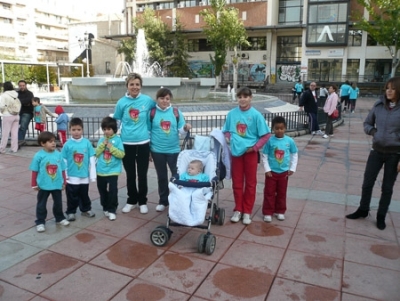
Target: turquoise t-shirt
<point>49,166</point>
<point>354,93</point>
<point>133,113</point>
<point>164,136</point>
<point>77,154</point>
<point>107,164</point>
<point>299,88</point>
<point>246,128</point>
<point>278,151</point>
<point>345,90</point>
<point>36,112</point>
<point>201,177</point>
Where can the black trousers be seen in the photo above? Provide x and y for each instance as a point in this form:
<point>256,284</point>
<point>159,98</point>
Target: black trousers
<point>136,162</point>
<point>161,163</point>
<point>108,189</point>
<point>41,211</point>
<point>77,196</point>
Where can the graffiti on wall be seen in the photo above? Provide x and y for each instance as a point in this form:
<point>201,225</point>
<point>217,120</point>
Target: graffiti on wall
<point>288,73</point>
<point>201,68</point>
<point>246,72</point>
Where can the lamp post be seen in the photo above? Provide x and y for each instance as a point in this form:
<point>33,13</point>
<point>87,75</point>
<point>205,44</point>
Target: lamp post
<point>87,46</point>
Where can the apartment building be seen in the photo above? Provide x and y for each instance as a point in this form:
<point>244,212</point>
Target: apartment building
<point>289,40</point>
<point>37,30</point>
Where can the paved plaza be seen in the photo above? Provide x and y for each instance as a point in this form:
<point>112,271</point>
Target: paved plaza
<point>314,254</point>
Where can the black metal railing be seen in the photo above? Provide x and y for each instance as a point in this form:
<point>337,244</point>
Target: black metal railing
<point>201,125</point>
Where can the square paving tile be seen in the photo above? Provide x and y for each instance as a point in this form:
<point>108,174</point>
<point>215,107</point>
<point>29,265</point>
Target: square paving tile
<point>128,257</point>
<point>312,269</point>
<point>84,245</point>
<point>267,234</point>
<point>13,251</point>
<point>235,283</point>
<point>258,257</point>
<point>187,245</point>
<point>182,273</point>
<point>371,282</point>
<point>10,292</point>
<point>15,223</point>
<point>348,297</point>
<point>283,290</point>
<point>120,227</point>
<point>375,252</point>
<point>321,223</point>
<point>40,271</point>
<point>142,290</point>
<point>317,243</point>
<point>322,208</point>
<point>89,283</point>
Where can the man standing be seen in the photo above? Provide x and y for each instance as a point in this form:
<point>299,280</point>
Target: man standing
<point>308,103</point>
<point>26,113</point>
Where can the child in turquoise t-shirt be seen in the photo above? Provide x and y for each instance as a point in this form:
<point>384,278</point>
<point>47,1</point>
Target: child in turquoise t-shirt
<point>48,178</point>
<point>280,162</point>
<point>109,153</point>
<point>247,132</point>
<point>79,156</point>
<point>40,112</point>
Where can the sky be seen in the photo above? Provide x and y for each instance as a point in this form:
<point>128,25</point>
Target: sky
<point>103,6</point>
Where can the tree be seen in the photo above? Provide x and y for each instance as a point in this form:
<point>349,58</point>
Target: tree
<point>157,38</point>
<point>178,65</point>
<point>383,25</point>
<point>224,31</point>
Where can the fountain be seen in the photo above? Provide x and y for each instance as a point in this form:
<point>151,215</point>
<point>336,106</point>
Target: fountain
<point>110,89</point>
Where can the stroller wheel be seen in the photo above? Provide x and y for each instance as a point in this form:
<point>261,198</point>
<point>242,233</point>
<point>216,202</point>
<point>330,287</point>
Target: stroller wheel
<point>221,216</point>
<point>160,236</point>
<point>210,244</point>
<point>201,243</point>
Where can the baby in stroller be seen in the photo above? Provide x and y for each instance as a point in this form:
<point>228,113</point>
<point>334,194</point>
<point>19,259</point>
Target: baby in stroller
<point>189,196</point>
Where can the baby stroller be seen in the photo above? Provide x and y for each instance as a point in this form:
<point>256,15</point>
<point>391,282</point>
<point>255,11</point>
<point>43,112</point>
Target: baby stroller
<point>191,204</point>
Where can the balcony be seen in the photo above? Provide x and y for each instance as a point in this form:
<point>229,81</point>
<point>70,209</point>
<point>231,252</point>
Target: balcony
<point>53,34</point>
<point>50,22</point>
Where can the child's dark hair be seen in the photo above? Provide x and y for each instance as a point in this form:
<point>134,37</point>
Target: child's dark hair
<point>45,137</point>
<point>278,119</point>
<point>75,121</point>
<point>109,123</point>
<point>163,92</point>
<point>245,91</point>
<point>36,99</point>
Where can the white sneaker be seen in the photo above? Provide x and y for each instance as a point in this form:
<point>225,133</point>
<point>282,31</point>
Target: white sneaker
<point>236,217</point>
<point>106,213</point>
<point>160,208</point>
<point>143,209</point>
<point>40,228</point>
<point>279,216</point>
<point>64,222</point>
<point>313,133</point>
<point>71,217</point>
<point>246,219</point>
<point>267,218</point>
<point>112,216</point>
<point>319,132</point>
<point>325,136</point>
<point>128,207</point>
<point>88,214</point>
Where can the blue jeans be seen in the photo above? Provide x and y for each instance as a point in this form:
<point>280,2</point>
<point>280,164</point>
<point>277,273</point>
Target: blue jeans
<point>313,122</point>
<point>161,161</point>
<point>41,211</point>
<point>24,120</point>
<point>374,164</point>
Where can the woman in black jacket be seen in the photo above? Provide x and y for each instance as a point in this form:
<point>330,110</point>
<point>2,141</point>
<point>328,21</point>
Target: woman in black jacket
<point>382,123</point>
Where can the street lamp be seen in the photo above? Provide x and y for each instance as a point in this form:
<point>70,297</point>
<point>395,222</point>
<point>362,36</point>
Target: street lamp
<point>87,46</point>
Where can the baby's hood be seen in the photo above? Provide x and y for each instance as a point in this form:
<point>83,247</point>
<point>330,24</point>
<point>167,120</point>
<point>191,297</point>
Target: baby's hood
<point>59,110</point>
<point>11,93</point>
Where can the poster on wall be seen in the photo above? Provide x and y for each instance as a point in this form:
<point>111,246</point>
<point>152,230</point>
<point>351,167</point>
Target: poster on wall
<point>76,40</point>
<point>201,68</point>
<point>288,73</point>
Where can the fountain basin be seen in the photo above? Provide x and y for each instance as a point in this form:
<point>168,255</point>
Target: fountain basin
<point>110,89</point>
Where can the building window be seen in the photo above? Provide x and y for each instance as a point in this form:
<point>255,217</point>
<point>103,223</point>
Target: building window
<point>371,41</point>
<point>256,43</point>
<point>290,12</point>
<point>289,49</point>
<point>327,23</point>
<point>324,70</point>
<point>196,45</point>
<point>355,37</point>
<point>353,67</point>
<point>108,67</point>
